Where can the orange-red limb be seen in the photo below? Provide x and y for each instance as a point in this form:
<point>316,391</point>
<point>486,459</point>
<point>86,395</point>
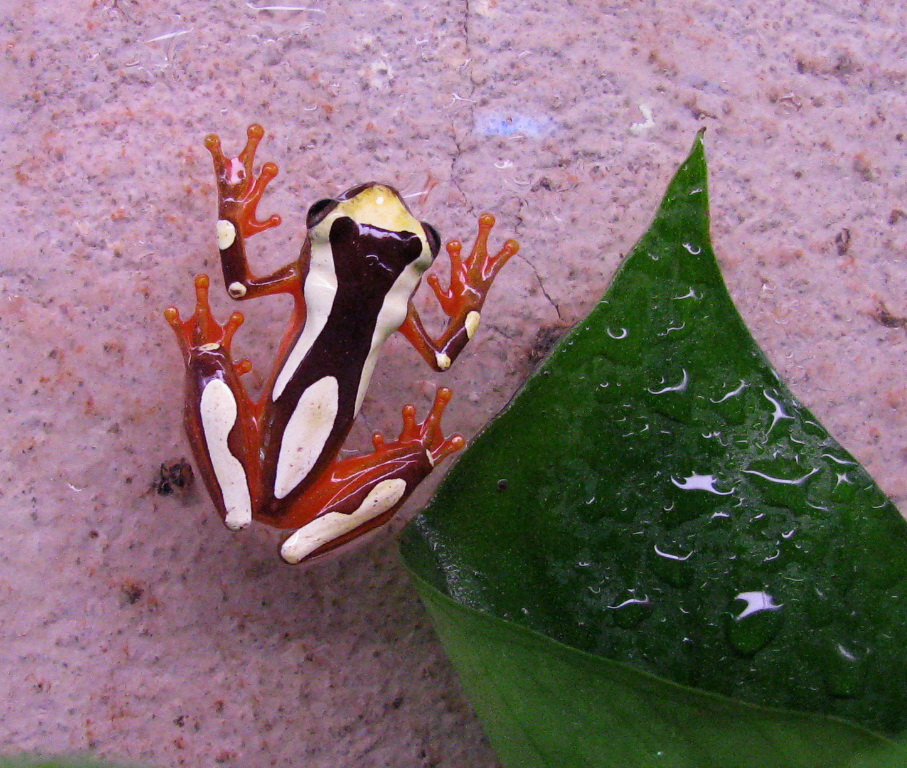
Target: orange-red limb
<point>470,281</point>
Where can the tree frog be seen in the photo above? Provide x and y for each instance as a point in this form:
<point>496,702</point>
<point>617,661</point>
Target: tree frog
<point>274,458</point>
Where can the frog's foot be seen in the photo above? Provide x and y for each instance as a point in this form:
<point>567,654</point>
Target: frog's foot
<point>428,434</point>
<point>359,494</point>
<point>239,189</point>
<point>462,300</point>
<point>201,331</point>
<point>471,278</point>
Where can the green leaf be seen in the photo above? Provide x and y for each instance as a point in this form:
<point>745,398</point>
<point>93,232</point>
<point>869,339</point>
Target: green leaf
<point>546,705</point>
<point>661,510</point>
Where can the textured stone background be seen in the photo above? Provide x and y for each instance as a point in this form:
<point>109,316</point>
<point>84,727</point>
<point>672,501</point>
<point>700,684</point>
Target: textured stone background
<point>135,626</point>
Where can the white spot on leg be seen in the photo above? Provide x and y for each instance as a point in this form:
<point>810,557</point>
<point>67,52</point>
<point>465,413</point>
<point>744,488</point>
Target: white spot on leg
<point>218,411</point>
<point>237,290</point>
<point>307,431</point>
<point>472,323</point>
<point>442,360</point>
<point>333,525</point>
<point>225,233</point>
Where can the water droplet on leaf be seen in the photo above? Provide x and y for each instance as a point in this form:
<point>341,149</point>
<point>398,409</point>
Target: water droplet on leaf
<point>751,629</point>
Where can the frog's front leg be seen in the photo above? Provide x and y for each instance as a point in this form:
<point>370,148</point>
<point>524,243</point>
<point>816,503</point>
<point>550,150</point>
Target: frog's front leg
<point>357,494</point>
<point>470,281</point>
<point>219,416</point>
<point>239,191</point>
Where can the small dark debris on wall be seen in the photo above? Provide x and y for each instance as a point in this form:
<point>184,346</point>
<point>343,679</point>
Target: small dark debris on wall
<point>544,340</point>
<point>842,241</point>
<point>883,317</point>
<point>173,477</point>
<point>130,593</point>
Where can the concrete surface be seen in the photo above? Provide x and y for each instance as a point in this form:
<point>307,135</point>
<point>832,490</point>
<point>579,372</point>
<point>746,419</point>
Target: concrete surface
<point>134,625</point>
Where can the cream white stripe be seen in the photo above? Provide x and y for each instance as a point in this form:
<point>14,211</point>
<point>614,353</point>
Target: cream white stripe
<point>390,318</point>
<point>333,525</point>
<point>307,431</point>
<point>218,410</point>
<point>320,290</point>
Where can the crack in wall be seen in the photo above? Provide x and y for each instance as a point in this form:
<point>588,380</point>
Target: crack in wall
<point>467,65</point>
<point>520,220</point>
<point>538,277</point>
<point>459,154</point>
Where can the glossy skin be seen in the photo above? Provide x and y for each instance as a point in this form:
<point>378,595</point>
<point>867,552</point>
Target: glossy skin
<point>275,459</point>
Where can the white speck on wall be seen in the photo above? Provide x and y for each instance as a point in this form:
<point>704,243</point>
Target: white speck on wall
<point>638,129</point>
<point>378,75</point>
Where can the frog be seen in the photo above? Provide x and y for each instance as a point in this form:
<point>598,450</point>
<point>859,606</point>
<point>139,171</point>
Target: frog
<point>275,457</point>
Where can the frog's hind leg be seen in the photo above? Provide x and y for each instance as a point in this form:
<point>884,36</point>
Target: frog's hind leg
<point>358,494</point>
<point>219,416</point>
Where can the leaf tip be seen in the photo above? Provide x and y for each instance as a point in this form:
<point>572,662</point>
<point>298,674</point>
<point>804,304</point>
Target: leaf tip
<point>698,149</point>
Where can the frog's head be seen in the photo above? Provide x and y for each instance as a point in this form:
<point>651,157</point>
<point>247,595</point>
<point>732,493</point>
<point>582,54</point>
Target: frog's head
<point>374,218</point>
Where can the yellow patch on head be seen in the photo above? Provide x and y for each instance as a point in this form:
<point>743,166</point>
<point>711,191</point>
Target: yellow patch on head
<point>380,206</point>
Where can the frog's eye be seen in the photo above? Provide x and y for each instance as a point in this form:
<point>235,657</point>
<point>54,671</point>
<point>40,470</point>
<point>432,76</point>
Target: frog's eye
<point>434,239</point>
<point>318,211</point>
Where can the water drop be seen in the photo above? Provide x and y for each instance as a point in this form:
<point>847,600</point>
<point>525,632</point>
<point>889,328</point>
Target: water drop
<point>844,670</point>
<point>778,413</point>
<point>732,393</point>
<point>754,627</point>
<point>838,460</point>
<point>783,480</point>
<point>672,328</point>
<point>630,612</point>
<point>700,483</point>
<point>669,556</point>
<point>690,294</point>
<point>675,388</point>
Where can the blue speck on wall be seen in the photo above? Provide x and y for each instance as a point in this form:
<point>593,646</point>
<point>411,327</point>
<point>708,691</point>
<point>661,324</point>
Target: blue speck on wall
<point>510,125</point>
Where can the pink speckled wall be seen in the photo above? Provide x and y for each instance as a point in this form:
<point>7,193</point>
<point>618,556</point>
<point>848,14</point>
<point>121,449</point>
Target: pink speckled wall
<point>134,626</point>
